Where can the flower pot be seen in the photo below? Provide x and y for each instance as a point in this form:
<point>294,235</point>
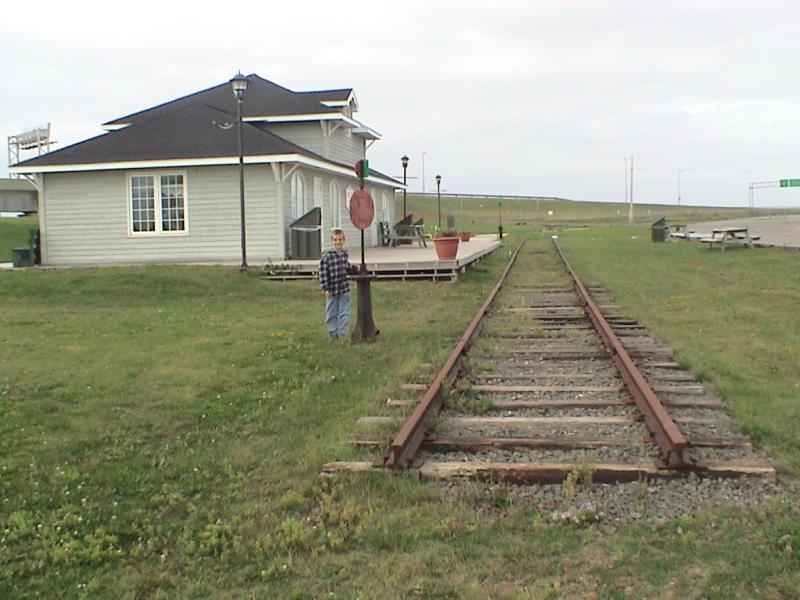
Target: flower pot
<point>465,235</point>
<point>446,247</point>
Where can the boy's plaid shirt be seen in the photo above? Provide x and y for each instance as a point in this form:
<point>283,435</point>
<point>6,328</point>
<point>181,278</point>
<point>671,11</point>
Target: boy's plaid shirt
<point>333,270</point>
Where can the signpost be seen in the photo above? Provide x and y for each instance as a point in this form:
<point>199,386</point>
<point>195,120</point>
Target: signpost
<point>362,213</point>
<point>784,183</point>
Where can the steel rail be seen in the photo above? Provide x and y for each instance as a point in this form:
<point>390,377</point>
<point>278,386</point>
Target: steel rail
<point>672,444</point>
<point>406,443</point>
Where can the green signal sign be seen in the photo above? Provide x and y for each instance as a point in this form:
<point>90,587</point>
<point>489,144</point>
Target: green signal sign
<point>790,182</point>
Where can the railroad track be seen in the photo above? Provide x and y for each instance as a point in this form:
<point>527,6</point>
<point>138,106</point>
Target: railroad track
<point>551,379</point>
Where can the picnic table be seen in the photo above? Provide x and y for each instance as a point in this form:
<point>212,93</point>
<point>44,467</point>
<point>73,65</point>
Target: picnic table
<point>413,232</point>
<point>730,236</point>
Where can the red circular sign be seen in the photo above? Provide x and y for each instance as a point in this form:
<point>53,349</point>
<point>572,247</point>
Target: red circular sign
<point>362,209</point>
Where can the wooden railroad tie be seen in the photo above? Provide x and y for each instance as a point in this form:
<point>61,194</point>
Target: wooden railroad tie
<point>577,402</point>
<point>521,389</point>
<point>544,421</point>
<point>557,472</point>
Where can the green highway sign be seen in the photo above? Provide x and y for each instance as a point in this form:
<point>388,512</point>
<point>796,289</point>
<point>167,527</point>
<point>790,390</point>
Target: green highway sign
<point>790,182</point>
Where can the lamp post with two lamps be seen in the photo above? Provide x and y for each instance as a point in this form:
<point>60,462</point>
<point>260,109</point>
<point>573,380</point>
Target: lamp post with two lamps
<point>239,85</point>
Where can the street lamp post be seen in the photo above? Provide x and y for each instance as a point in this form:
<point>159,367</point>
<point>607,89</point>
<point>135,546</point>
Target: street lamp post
<point>239,85</point>
<point>439,198</point>
<point>630,199</point>
<point>423,173</point>
<point>404,160</point>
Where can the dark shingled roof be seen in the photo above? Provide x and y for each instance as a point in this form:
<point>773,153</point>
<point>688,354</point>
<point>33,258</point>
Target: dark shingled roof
<point>192,131</point>
<point>263,98</point>
<point>200,125</point>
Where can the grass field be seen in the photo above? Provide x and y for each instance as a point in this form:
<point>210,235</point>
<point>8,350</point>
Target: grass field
<point>162,430</point>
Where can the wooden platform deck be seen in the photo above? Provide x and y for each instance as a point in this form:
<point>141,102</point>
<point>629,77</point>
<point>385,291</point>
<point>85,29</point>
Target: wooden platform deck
<point>402,262</point>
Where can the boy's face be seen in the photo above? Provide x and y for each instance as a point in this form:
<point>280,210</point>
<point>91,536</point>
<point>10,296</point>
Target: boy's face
<point>338,241</point>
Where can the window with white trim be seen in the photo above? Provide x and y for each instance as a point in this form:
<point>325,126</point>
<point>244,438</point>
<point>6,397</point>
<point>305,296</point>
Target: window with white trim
<point>347,196</point>
<point>158,203</point>
<point>384,206</point>
<point>336,205</point>
<point>298,195</point>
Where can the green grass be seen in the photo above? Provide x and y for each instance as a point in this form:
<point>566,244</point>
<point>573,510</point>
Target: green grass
<point>14,233</point>
<point>162,430</point>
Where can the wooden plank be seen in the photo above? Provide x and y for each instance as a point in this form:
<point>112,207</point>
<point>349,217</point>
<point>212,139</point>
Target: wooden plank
<point>546,355</point>
<point>539,375</point>
<point>577,402</point>
<point>601,472</point>
<point>513,389</point>
<point>436,443</point>
<point>556,472</point>
<point>568,421</point>
<point>479,444</point>
<point>678,389</point>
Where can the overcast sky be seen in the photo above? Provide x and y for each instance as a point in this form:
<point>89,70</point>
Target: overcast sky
<point>510,97</point>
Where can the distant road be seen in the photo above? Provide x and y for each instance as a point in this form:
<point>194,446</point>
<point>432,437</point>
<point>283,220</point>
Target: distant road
<point>781,230</point>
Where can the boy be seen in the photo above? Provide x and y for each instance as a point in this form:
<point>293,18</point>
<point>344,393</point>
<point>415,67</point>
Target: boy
<point>333,270</point>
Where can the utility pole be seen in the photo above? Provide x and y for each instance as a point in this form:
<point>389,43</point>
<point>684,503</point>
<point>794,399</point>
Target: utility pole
<point>423,173</point>
<point>679,187</point>
<point>625,187</point>
<point>630,203</point>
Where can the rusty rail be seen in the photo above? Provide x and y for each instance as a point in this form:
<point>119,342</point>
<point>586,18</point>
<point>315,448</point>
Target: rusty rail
<point>672,444</point>
<point>404,446</point>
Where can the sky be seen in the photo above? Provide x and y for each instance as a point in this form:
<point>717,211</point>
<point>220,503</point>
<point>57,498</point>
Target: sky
<point>542,98</point>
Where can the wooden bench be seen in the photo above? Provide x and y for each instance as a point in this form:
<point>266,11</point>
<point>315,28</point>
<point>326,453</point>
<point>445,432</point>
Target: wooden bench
<point>678,230</point>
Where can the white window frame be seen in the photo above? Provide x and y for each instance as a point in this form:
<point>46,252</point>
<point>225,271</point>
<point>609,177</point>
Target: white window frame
<point>384,206</point>
<point>299,205</point>
<point>336,204</point>
<point>159,231</point>
<point>347,195</point>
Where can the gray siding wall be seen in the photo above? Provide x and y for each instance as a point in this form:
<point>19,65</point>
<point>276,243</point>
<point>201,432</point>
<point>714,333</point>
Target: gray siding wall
<point>87,218</point>
<point>345,149</point>
<point>305,134</point>
<point>336,146</point>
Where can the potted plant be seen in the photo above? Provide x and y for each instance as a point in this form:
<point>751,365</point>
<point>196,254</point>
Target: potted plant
<point>465,235</point>
<point>445,241</point>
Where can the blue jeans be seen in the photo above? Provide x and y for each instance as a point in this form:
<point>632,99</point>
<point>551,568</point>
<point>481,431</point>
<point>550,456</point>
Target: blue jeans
<point>337,314</point>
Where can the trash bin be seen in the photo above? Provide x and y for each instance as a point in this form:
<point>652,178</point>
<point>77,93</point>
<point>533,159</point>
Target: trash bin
<point>659,231</point>
<point>22,257</point>
<point>305,236</point>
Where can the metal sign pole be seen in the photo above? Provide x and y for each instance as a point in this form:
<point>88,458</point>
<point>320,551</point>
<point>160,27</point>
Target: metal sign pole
<point>362,213</point>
